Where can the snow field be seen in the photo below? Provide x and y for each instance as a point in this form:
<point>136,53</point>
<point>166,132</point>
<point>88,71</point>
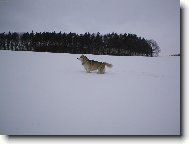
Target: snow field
<point>45,93</point>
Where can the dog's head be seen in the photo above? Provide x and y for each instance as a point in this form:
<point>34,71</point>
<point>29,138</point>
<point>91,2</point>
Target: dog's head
<point>82,58</point>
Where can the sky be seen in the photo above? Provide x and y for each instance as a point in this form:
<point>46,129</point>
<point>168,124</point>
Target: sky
<point>152,19</point>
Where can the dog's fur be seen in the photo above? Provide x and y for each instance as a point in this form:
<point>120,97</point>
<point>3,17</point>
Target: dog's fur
<point>91,65</point>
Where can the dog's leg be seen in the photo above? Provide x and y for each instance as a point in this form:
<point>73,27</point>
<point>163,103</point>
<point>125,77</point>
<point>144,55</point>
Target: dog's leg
<point>88,71</point>
<point>101,70</point>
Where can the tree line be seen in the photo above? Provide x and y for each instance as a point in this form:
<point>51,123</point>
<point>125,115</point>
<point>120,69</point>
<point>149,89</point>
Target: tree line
<point>95,43</point>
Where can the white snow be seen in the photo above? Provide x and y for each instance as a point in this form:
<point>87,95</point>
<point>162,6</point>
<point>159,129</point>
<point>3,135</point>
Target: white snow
<point>46,93</point>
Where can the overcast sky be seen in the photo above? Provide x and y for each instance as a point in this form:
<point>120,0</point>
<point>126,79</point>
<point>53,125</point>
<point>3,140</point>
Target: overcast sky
<point>151,19</point>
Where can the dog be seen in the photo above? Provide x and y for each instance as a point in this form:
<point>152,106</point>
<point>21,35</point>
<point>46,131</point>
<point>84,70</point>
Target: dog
<point>91,65</point>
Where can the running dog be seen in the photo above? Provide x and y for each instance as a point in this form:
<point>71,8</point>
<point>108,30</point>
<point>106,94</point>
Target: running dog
<point>91,65</point>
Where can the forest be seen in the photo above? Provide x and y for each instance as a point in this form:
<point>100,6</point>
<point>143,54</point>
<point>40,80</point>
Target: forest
<point>87,43</point>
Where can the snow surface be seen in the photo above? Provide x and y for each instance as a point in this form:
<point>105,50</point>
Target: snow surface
<point>46,93</point>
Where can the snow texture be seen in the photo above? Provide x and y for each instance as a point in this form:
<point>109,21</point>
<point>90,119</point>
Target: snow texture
<point>51,94</point>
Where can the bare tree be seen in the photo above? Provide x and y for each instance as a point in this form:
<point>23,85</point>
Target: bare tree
<point>155,49</point>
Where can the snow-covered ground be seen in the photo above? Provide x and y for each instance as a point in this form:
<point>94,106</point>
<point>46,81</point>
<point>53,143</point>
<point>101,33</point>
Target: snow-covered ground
<point>46,93</point>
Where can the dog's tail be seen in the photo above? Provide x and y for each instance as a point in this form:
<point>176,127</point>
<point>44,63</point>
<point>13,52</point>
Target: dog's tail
<point>108,65</point>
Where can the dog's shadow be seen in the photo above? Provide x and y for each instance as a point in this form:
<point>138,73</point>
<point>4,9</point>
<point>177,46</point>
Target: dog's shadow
<point>95,72</point>
<point>92,72</point>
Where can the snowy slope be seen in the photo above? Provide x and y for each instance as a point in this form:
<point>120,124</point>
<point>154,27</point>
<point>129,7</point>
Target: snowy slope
<point>45,93</point>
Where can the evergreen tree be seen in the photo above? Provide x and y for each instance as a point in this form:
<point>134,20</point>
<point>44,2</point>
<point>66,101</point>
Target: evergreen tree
<point>108,44</point>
